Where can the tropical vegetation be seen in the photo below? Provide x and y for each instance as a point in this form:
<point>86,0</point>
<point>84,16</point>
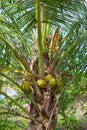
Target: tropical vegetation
<point>43,63</point>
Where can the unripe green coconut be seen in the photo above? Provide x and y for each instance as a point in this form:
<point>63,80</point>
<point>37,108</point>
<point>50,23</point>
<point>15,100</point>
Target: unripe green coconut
<point>26,86</point>
<point>52,82</point>
<point>47,78</point>
<point>41,83</point>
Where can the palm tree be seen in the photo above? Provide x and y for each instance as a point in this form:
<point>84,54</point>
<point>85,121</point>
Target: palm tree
<point>36,27</point>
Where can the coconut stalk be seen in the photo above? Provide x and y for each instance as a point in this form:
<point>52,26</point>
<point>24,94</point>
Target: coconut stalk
<point>40,50</point>
<point>44,36</point>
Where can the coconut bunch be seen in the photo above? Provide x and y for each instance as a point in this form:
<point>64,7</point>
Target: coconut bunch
<point>55,83</point>
<point>52,82</point>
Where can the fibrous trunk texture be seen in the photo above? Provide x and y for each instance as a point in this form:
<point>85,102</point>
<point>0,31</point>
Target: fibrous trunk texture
<point>48,109</point>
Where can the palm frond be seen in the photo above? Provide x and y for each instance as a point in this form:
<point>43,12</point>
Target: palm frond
<point>55,12</point>
<point>60,13</point>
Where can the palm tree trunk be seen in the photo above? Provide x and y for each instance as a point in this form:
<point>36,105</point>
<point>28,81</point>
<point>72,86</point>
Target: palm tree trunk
<point>48,108</point>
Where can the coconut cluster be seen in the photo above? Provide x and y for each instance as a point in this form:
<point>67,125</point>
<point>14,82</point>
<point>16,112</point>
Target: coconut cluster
<point>51,81</point>
<point>48,81</point>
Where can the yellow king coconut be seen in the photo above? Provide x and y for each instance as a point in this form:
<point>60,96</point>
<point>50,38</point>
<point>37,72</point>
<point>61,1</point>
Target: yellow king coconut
<point>41,83</point>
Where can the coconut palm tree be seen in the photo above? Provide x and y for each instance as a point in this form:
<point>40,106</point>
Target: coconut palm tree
<point>47,31</point>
